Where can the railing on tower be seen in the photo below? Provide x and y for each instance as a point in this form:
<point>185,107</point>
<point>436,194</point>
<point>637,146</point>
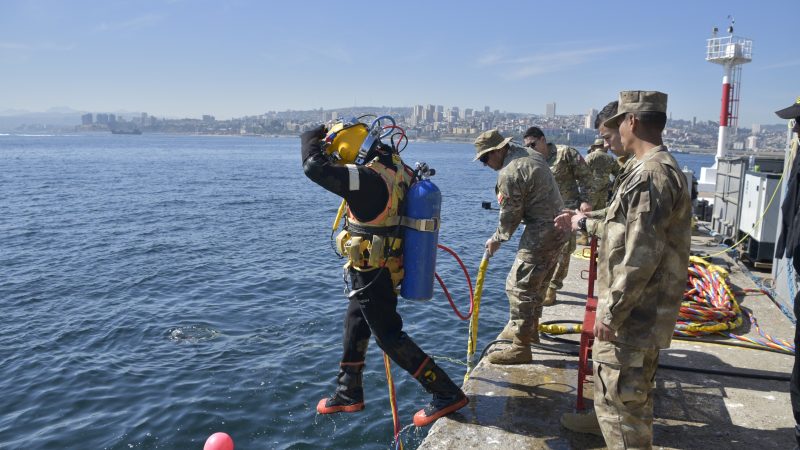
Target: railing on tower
<point>729,50</point>
<point>733,119</point>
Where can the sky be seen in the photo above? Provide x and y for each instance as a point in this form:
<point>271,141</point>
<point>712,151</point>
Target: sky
<point>185,58</point>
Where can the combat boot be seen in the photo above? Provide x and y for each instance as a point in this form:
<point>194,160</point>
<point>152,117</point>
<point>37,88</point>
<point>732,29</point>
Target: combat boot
<point>582,423</point>
<point>507,333</point>
<point>549,297</point>
<point>349,395</point>
<point>519,352</point>
<point>447,397</point>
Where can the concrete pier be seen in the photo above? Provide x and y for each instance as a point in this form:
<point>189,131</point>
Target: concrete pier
<point>519,406</point>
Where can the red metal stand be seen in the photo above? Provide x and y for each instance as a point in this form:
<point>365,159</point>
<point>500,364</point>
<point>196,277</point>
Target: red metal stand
<point>587,334</point>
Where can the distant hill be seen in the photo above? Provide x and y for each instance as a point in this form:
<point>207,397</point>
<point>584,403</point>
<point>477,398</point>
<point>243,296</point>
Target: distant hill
<point>12,119</point>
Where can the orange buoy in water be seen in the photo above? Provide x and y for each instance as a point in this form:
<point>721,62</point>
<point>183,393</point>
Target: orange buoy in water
<point>219,441</point>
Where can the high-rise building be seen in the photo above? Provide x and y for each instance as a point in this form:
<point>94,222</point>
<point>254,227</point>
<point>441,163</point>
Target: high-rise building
<point>101,119</point>
<point>419,114</point>
<point>438,114</point>
<point>486,110</point>
<point>756,129</point>
<point>86,119</point>
<point>752,143</point>
<point>589,120</point>
<point>430,111</point>
<point>453,116</point>
<point>467,113</point>
<point>550,110</point>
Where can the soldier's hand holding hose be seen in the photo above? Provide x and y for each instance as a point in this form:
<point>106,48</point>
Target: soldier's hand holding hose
<point>491,246</point>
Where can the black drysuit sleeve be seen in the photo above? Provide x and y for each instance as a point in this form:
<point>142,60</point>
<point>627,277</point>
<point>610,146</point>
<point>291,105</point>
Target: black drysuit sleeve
<point>366,201</point>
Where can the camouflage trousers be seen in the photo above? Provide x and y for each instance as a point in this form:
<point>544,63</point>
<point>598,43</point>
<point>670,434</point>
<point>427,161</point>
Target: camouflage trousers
<point>624,378</point>
<point>526,285</point>
<point>562,268</point>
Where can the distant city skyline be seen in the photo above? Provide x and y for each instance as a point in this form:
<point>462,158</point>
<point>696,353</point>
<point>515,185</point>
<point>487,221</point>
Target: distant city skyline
<point>331,114</point>
<point>427,122</point>
<point>233,59</point>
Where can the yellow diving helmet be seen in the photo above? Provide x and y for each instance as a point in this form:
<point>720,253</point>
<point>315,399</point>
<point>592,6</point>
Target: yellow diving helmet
<point>349,142</point>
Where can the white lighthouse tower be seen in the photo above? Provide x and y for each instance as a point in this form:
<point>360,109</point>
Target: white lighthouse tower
<point>730,52</point>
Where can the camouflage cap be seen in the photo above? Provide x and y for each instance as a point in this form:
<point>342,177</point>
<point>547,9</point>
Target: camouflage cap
<point>599,142</point>
<point>489,141</point>
<point>638,101</point>
<point>791,112</point>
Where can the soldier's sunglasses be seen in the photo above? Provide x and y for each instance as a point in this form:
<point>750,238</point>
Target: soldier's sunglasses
<point>484,158</point>
<point>532,143</point>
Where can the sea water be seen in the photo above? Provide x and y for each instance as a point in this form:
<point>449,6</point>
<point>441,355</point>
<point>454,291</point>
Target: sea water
<point>159,288</point>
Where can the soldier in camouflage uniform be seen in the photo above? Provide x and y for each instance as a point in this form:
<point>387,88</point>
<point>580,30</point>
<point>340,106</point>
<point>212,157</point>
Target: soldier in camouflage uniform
<point>611,139</point>
<point>525,191</point>
<point>574,181</point>
<point>641,277</point>
<point>598,143</point>
<point>604,168</point>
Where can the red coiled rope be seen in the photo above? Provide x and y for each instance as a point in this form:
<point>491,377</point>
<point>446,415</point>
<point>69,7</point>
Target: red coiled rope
<point>469,283</point>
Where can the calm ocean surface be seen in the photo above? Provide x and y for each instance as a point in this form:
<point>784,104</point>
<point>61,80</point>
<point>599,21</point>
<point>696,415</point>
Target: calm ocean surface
<point>157,289</point>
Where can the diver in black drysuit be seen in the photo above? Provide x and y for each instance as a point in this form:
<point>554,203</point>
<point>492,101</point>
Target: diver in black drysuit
<point>373,310</point>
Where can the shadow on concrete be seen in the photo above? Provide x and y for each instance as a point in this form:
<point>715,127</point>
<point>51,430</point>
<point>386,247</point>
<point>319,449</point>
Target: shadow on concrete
<point>727,437</point>
<point>579,295</point>
<point>705,360</point>
<point>561,301</point>
<point>529,410</point>
<point>690,408</point>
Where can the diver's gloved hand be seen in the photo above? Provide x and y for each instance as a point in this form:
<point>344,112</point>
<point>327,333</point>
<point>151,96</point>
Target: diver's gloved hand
<point>311,142</point>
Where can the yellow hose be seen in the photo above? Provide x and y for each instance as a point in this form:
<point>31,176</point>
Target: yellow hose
<point>339,215</point>
<point>554,329</point>
<point>476,308</point>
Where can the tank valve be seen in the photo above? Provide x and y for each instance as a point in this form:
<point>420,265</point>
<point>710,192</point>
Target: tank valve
<point>423,171</point>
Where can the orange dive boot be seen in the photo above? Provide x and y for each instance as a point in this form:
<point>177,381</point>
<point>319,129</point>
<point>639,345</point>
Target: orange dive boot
<point>349,395</point>
<point>447,397</point>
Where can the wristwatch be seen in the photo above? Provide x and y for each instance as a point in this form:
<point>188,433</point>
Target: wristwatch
<point>582,223</point>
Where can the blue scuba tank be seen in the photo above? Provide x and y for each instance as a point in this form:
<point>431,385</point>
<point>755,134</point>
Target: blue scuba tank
<point>423,201</point>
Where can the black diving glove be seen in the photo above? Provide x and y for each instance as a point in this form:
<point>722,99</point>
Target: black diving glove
<point>311,142</point>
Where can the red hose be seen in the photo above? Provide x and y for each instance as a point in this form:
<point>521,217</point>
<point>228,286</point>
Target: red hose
<point>469,283</point>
